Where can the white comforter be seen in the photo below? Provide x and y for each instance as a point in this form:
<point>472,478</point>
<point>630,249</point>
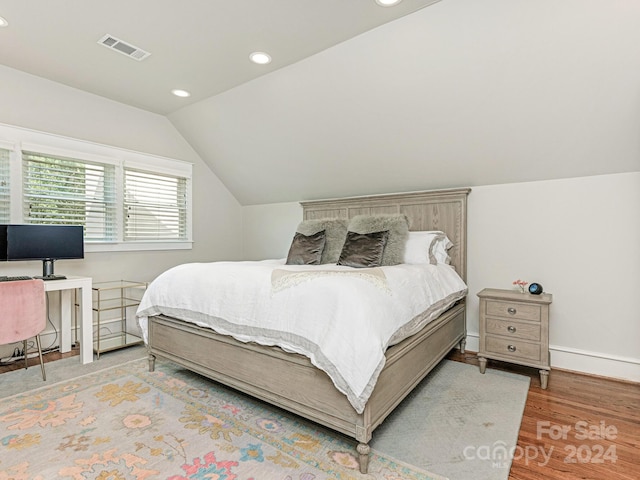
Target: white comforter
<point>342,318</point>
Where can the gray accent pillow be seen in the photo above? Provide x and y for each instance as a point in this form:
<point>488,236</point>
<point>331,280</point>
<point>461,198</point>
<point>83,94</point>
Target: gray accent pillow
<point>335,231</point>
<point>396,224</point>
<point>306,249</point>
<point>363,250</point>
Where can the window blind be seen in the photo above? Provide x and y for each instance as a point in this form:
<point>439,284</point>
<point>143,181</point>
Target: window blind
<point>155,206</point>
<point>5,192</point>
<point>67,191</point>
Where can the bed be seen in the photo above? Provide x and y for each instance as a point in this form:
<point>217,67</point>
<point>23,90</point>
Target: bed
<point>290,380</point>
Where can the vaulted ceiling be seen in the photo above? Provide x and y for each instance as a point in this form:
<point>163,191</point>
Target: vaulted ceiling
<point>359,98</point>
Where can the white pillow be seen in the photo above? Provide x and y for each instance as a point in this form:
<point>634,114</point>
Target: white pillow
<point>427,247</point>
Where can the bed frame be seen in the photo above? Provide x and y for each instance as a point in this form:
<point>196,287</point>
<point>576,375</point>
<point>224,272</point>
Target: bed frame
<point>289,380</point>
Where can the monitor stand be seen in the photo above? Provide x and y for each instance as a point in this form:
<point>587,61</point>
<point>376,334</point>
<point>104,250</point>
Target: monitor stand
<point>47,270</point>
<point>52,277</point>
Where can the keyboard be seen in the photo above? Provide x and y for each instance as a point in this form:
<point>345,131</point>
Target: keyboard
<point>13,279</point>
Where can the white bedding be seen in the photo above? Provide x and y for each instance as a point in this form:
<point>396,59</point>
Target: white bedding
<point>341,318</point>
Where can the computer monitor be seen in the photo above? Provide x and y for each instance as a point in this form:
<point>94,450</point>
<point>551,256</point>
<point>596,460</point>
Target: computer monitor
<point>42,242</point>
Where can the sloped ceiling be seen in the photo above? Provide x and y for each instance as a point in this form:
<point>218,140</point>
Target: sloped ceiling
<point>461,93</point>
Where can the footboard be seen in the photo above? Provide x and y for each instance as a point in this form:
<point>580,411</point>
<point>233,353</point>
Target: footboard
<point>291,382</point>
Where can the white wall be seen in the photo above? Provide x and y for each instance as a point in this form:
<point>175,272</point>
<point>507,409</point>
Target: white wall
<point>269,229</point>
<point>578,237</point>
<point>32,102</point>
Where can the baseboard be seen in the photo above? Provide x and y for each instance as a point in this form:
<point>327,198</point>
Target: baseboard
<point>473,342</point>
<point>584,361</point>
<point>595,363</point>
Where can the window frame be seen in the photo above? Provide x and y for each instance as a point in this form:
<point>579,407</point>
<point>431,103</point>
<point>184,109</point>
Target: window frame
<point>17,139</point>
<point>9,148</point>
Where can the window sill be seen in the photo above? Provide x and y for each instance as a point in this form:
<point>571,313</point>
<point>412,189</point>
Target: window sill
<point>96,247</point>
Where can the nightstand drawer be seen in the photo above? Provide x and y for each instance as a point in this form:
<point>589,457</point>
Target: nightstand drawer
<point>521,311</point>
<point>513,328</point>
<point>515,349</point>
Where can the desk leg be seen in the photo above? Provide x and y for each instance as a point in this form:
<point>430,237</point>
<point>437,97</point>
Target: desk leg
<point>65,320</point>
<point>86,326</point>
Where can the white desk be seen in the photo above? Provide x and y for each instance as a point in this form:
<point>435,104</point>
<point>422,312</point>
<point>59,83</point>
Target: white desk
<point>66,287</point>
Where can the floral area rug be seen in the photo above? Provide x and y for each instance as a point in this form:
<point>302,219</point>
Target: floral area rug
<point>127,423</point>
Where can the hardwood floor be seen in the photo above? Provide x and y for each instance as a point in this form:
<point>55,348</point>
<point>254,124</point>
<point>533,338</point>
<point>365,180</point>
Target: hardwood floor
<point>35,362</point>
<point>581,427</point>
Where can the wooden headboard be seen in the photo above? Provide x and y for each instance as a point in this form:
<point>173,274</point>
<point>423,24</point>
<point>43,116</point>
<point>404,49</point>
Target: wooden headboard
<point>444,210</point>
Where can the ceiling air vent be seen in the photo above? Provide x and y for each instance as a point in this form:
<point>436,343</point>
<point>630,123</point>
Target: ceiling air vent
<point>125,48</point>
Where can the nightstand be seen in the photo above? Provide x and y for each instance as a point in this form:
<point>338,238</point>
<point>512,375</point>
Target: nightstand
<point>514,327</point>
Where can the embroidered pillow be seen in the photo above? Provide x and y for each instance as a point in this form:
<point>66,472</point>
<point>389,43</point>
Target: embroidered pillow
<point>427,247</point>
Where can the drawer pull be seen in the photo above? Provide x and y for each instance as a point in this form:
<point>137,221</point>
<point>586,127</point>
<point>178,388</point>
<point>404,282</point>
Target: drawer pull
<point>511,348</point>
<point>511,329</point>
<point>511,310</point>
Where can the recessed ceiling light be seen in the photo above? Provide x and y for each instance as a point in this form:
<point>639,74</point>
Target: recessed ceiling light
<point>3,22</point>
<point>260,58</point>
<point>180,93</point>
<point>388,3</point>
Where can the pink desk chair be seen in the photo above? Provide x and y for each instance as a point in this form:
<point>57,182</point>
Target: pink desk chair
<point>23,314</point>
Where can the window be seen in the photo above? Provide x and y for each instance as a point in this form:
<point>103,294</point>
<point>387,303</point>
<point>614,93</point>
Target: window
<point>155,206</point>
<point>70,192</point>
<point>5,192</point>
<point>125,200</point>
